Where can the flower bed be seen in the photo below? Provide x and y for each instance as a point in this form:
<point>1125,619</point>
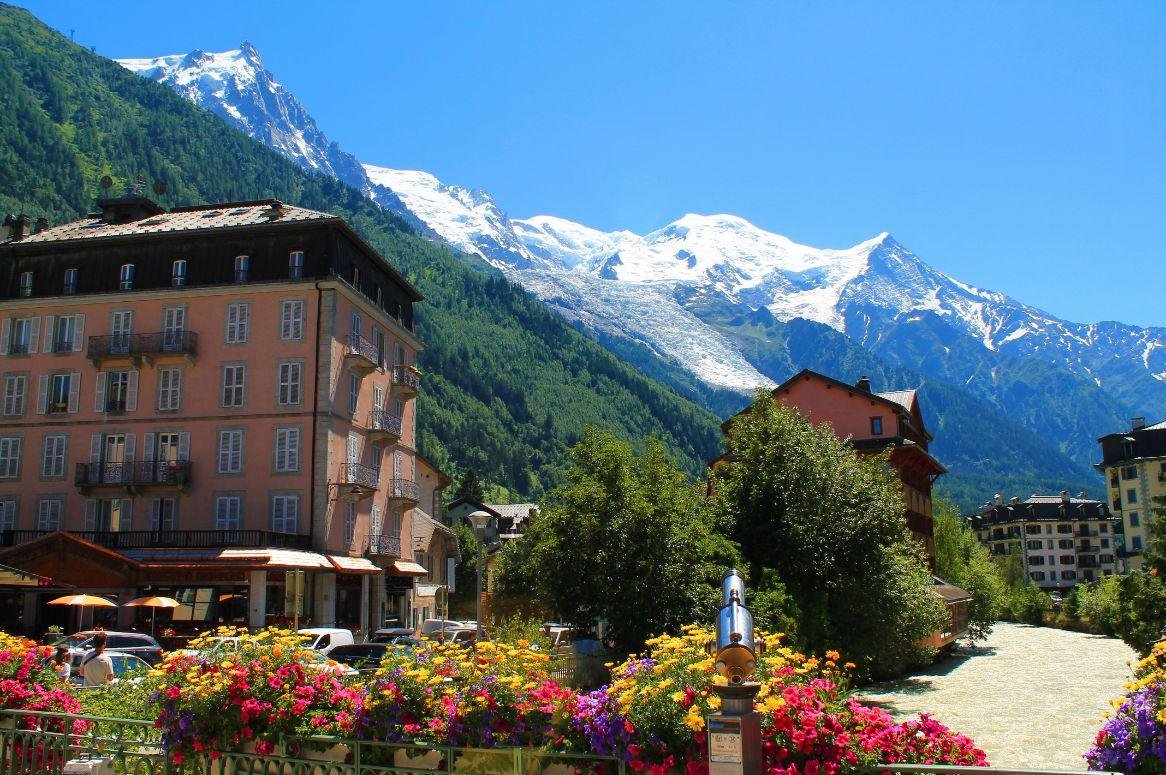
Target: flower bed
<point>1133,738</point>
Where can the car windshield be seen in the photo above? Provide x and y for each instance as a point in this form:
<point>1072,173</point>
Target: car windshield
<point>75,641</point>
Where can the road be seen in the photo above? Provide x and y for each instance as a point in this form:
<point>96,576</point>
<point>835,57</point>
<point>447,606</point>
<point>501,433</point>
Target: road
<point>1031,697</point>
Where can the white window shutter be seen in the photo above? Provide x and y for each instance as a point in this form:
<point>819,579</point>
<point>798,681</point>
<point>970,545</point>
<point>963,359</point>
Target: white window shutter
<point>5,335</point>
<point>95,448</point>
<point>42,394</point>
<point>132,392</point>
<point>99,393</point>
<point>74,391</point>
<point>34,336</point>
<point>184,446</point>
<point>131,442</point>
<point>78,333</point>
<point>90,514</point>
<point>50,328</point>
<point>148,447</point>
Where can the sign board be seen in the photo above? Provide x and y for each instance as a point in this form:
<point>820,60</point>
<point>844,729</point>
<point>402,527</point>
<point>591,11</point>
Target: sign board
<point>725,741</point>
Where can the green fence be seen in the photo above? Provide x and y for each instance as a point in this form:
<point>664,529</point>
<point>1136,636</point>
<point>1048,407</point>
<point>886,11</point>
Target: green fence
<point>135,748</point>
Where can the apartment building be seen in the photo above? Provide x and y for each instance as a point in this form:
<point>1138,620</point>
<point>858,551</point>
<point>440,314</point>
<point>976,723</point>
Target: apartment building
<point>199,400</point>
<point>1134,465</point>
<point>1059,541</point>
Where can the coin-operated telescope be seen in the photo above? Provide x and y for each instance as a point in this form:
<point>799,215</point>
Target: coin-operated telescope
<point>734,733</point>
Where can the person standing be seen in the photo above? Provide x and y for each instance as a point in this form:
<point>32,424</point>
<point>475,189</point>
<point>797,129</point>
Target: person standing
<point>96,666</point>
<point>62,663</point>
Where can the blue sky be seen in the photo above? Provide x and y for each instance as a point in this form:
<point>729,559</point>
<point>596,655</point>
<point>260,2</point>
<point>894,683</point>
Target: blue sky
<point>1017,146</point>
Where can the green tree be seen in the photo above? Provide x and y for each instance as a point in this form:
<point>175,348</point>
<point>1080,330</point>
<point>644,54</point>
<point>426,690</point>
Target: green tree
<point>628,539</point>
<point>962,560</point>
<point>470,487</point>
<point>830,525</point>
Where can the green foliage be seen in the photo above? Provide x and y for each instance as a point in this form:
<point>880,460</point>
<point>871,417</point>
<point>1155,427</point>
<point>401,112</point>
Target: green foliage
<point>508,386</point>
<point>628,539</point>
<point>831,526</point>
<point>470,488</point>
<point>772,608</point>
<point>463,602</point>
<point>962,560</point>
<point>1101,604</point>
<point>1143,609</point>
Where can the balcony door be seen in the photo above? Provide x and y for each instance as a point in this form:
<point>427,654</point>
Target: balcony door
<point>173,328</point>
<point>121,329</point>
<point>113,459</point>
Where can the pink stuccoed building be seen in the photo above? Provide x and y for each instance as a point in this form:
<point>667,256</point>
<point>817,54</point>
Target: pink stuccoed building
<point>197,401</point>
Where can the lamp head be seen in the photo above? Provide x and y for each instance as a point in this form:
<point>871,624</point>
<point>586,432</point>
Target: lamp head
<point>479,520</point>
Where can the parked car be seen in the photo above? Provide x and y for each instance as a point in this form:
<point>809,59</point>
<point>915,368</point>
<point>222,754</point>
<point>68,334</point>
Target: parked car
<point>391,635</point>
<point>137,643</point>
<point>430,626</point>
<point>324,639</point>
<point>123,664</point>
<point>367,657</point>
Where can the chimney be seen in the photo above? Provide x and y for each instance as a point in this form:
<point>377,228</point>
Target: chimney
<point>863,383</point>
<point>6,228</point>
<point>41,224</point>
<point>19,227</point>
<point>999,499</point>
<point>1064,496</point>
<point>1137,423</point>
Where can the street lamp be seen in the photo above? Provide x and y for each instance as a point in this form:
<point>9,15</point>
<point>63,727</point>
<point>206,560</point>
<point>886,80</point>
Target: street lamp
<point>480,519</point>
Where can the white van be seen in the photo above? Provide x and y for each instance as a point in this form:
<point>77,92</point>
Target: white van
<point>324,639</point>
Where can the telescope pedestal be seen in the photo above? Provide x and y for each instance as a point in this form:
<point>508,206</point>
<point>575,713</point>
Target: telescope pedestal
<point>734,733</point>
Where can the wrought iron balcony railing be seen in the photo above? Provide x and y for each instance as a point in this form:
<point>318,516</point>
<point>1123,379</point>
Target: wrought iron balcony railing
<point>406,380</point>
<point>176,539</point>
<point>384,545</point>
<point>382,422</point>
<point>143,345</point>
<point>357,474</point>
<point>133,473</point>
<point>403,489</point>
<point>362,354</point>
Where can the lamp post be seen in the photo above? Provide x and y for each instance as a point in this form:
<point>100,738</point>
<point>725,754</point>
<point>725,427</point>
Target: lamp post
<point>480,519</point>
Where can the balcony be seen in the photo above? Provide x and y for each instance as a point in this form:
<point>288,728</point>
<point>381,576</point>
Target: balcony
<point>406,381</point>
<point>384,427</point>
<point>132,476</point>
<point>361,355</point>
<point>357,482</point>
<point>404,490</point>
<point>384,546</point>
<point>138,348</point>
<point>170,539</point>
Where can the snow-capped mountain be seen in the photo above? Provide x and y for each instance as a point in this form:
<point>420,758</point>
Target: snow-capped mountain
<point>697,293</point>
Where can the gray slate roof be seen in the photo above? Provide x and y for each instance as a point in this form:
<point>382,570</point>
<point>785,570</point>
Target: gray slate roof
<point>903,398</point>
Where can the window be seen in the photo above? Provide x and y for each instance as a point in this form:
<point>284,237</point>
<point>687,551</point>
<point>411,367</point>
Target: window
<point>15,388</point>
<point>238,322</point>
<point>356,277</point>
<point>378,338</point>
<point>1134,520</point>
<point>1032,529</point>
<point>242,268</point>
<point>8,514</point>
<point>1104,543</point>
<point>1103,528</point>
<point>1068,575</point>
<point>53,465</point>
<point>58,393</point>
<point>173,329</point>
<point>163,514</point>
<point>287,449</point>
<point>24,335</point>
<point>289,384</point>
<point>231,452</point>
<point>70,281</point>
<point>10,457</point>
<point>178,273</point>
<point>121,328</point>
<point>349,522</point>
<point>113,515</point>
<point>169,388</point>
<point>398,354</point>
<point>1039,560</point>
<point>66,334</point>
<point>378,454</point>
<point>1068,559</point>
<point>126,277</point>
<point>291,320</point>
<point>117,391</point>
<point>295,264</point>
<point>285,513</point>
<point>234,385</point>
<point>353,393</point>
<point>355,330</point>
<point>1129,472</point>
<point>1131,496</point>
<point>228,512</point>
<point>1065,543</point>
<point>1137,543</point>
<point>1034,545</point>
<point>1064,529</point>
<point>876,426</point>
<point>26,284</point>
<point>48,513</point>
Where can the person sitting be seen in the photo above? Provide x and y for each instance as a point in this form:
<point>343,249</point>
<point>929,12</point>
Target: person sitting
<point>62,663</point>
<point>96,666</point>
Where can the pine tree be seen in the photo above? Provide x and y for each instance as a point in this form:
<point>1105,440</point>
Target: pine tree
<point>470,488</point>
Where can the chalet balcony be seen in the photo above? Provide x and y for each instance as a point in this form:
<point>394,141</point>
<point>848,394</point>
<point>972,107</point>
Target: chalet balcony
<point>138,348</point>
<point>406,381</point>
<point>404,491</point>
<point>384,546</point>
<point>361,355</point>
<point>132,476</point>
<point>384,427</point>
<point>170,539</point>
<point>357,482</point>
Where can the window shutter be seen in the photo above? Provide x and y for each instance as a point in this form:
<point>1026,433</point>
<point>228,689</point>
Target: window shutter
<point>184,446</point>
<point>148,447</point>
<point>34,336</point>
<point>127,507</point>
<point>5,335</point>
<point>132,392</point>
<point>74,391</point>
<point>50,329</point>
<point>95,448</point>
<point>131,442</point>
<point>42,394</point>
<point>99,393</point>
<point>90,513</point>
<point>377,520</point>
<point>281,449</point>
<point>78,333</point>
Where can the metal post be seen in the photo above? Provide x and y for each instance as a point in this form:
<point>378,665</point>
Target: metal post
<point>481,554</point>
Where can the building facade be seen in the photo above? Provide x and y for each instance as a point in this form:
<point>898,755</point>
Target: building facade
<point>202,399</point>
<point>1134,466</point>
<point>1058,540</point>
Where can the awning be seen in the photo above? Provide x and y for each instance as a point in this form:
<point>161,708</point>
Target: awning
<point>406,568</point>
<point>14,577</point>
<point>353,564</point>
<point>247,559</point>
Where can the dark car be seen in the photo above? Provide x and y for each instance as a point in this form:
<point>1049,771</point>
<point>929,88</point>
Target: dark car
<point>136,643</point>
<point>364,657</point>
<point>391,634</point>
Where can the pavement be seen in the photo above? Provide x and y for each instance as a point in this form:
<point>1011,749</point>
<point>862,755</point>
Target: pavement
<point>1031,697</point>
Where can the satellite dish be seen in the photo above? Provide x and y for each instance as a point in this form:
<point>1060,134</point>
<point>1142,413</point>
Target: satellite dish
<point>160,187</point>
<point>107,182</point>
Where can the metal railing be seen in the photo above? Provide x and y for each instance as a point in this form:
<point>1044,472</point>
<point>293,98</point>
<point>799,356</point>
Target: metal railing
<point>404,489</point>
<point>136,746</point>
<point>405,376</point>
<point>355,473</point>
<point>358,345</point>
<point>143,344</point>
<point>384,545</point>
<point>384,420</point>
<point>130,472</point>
<point>171,539</point>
